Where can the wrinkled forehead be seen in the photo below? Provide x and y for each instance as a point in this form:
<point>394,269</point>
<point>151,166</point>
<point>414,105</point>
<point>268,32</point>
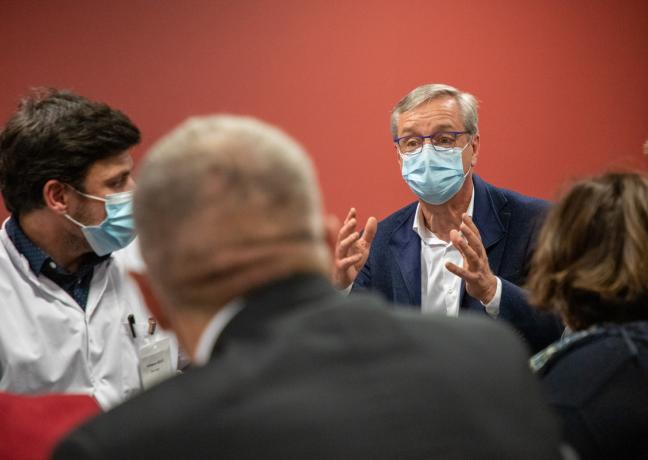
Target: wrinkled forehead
<point>441,113</point>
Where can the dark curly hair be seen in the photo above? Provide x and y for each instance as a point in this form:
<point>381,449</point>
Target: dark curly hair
<point>57,135</point>
<point>591,263</point>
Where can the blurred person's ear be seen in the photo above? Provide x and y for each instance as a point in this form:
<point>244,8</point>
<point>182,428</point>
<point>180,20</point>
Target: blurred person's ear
<point>152,302</point>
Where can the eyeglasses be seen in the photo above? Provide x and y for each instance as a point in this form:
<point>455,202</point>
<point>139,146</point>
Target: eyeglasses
<point>441,142</point>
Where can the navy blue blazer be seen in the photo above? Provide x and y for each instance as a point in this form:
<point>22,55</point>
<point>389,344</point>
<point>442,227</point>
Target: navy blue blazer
<point>507,222</point>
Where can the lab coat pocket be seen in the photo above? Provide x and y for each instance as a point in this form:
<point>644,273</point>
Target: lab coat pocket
<point>131,379</point>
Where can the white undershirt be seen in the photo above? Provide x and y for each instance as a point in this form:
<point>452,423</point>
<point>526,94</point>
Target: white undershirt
<point>441,289</point>
<point>212,332</point>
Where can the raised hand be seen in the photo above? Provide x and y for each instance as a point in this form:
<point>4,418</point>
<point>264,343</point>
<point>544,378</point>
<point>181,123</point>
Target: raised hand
<point>480,281</point>
<point>351,249</point>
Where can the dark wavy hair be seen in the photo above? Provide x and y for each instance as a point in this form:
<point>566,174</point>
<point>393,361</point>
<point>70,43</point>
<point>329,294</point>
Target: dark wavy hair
<point>58,135</point>
<point>591,263</point>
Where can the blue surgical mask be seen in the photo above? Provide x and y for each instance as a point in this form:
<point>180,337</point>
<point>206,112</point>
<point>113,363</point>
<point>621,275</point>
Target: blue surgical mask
<point>434,176</point>
<point>117,230</point>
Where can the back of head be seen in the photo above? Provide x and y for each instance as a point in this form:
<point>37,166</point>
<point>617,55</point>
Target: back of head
<point>467,104</point>
<point>57,135</point>
<point>591,264</point>
<point>223,205</point>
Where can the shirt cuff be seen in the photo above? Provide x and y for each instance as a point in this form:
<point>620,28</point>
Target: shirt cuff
<point>346,290</point>
<point>493,307</point>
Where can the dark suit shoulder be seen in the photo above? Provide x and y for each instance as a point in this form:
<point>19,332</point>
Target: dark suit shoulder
<point>512,198</point>
<point>473,336</point>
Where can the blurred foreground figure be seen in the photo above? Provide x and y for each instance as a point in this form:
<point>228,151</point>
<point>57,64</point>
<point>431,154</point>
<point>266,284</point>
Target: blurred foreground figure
<point>238,251</point>
<point>591,267</point>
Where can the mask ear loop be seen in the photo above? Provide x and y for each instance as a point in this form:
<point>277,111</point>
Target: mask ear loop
<point>468,172</point>
<point>462,150</point>
<point>92,197</point>
<point>71,219</point>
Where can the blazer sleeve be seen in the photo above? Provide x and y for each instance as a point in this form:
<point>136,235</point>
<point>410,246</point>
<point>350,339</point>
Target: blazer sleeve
<point>538,328</point>
<point>363,280</point>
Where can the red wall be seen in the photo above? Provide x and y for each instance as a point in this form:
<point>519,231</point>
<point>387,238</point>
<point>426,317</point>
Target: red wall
<point>563,84</point>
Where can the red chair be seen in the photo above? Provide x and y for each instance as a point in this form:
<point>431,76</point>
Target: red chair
<point>32,425</point>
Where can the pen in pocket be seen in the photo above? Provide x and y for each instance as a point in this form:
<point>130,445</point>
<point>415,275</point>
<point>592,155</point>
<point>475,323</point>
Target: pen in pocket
<point>152,324</point>
<point>131,324</point>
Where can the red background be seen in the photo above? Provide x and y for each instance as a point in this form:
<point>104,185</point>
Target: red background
<point>563,84</point>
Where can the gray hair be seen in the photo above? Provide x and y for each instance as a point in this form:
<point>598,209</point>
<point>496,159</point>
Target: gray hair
<point>217,186</point>
<point>467,104</point>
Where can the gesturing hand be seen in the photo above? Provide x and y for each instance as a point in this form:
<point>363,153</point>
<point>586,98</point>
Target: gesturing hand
<point>351,249</point>
<point>480,281</point>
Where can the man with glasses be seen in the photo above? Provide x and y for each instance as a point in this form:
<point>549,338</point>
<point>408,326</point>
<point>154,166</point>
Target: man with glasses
<point>465,244</point>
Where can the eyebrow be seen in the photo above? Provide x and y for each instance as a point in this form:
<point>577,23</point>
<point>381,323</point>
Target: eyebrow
<point>118,177</point>
<point>408,131</point>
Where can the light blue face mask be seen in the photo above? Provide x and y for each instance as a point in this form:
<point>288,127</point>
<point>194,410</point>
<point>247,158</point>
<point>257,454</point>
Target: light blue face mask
<point>118,228</point>
<point>434,176</point>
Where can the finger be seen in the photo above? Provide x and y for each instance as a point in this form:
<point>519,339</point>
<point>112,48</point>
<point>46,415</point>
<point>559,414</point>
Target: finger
<point>466,219</point>
<point>462,273</point>
<point>350,215</point>
<point>332,227</point>
<point>473,239</point>
<point>343,264</point>
<point>469,254</point>
<point>370,230</point>
<point>347,229</point>
<point>345,244</point>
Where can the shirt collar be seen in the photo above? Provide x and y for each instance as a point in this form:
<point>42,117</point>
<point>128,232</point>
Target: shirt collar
<point>425,234</point>
<point>213,330</point>
<point>36,257</point>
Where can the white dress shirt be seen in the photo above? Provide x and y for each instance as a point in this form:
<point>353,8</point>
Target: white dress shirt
<point>441,289</point>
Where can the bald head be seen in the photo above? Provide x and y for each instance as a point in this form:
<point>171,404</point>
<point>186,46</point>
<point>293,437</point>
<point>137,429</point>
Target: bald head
<point>220,197</point>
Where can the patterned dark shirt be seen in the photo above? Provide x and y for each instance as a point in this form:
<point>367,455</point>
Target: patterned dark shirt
<point>76,284</point>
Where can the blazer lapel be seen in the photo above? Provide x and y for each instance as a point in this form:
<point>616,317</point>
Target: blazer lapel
<point>487,215</point>
<point>491,221</point>
<point>405,246</point>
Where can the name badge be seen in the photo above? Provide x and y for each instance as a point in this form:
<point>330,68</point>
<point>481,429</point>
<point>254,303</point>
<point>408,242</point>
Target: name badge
<point>155,362</point>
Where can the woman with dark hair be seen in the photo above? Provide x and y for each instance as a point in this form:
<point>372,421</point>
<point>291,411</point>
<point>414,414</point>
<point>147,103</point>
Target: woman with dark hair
<point>591,267</point>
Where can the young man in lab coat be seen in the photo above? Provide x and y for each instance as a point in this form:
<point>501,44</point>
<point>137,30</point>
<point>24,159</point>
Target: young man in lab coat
<point>71,320</point>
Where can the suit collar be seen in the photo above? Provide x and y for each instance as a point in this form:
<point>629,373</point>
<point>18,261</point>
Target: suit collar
<point>288,292</point>
<point>262,305</point>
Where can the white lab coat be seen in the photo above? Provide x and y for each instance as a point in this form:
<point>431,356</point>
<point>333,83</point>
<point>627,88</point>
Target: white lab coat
<point>49,344</point>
